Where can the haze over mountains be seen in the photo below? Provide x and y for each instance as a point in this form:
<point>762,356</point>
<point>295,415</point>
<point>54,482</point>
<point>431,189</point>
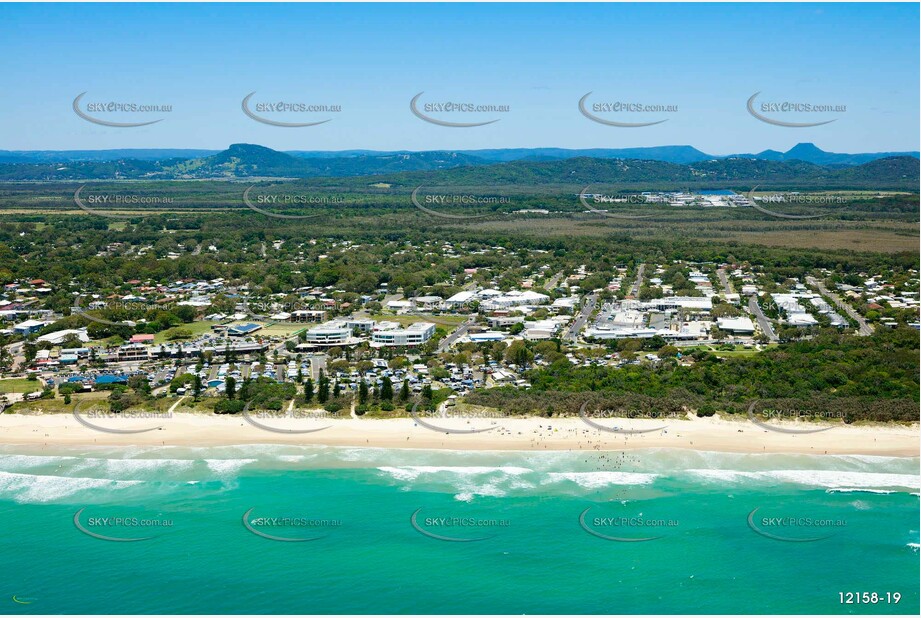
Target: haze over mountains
<point>671,154</point>
<point>682,164</point>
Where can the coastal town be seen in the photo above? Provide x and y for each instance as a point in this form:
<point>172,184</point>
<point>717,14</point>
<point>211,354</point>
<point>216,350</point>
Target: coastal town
<point>486,334</point>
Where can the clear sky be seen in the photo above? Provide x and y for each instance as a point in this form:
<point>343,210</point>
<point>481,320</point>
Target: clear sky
<point>539,59</point>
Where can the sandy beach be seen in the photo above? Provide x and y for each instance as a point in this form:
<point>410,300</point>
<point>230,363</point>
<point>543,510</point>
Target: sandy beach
<point>564,434</point>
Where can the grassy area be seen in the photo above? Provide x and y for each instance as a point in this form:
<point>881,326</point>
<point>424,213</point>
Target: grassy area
<point>738,351</point>
<point>196,328</point>
<point>20,385</point>
<point>281,329</point>
<point>450,321</point>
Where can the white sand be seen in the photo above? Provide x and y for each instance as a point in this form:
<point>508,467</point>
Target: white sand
<point>709,434</point>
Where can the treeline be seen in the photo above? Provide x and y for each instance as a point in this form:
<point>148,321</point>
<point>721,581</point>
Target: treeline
<point>863,378</point>
<point>678,403</point>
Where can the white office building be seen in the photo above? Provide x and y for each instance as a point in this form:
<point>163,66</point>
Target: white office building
<point>410,336</point>
<point>336,333</point>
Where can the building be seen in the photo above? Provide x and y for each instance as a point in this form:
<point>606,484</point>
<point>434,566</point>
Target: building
<point>410,336</point>
<point>29,327</point>
<point>242,330</point>
<point>133,352</point>
<point>460,299</point>
<point>692,303</point>
<point>736,326</point>
<point>399,305</point>
<point>336,333</point>
<point>485,336</point>
<point>60,336</point>
<point>540,329</point>
<point>514,299</point>
<point>796,314</point>
<point>428,303</point>
<point>359,324</point>
<point>305,315</point>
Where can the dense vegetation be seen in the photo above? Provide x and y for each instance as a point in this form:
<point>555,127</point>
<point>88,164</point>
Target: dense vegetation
<point>452,168</point>
<point>831,375</point>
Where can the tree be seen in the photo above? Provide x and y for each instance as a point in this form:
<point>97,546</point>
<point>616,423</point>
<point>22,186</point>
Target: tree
<point>230,386</point>
<point>519,354</point>
<point>427,392</point>
<point>404,391</point>
<point>337,389</point>
<point>323,388</point>
<point>197,386</point>
<point>308,390</point>
<point>362,392</point>
<point>386,389</point>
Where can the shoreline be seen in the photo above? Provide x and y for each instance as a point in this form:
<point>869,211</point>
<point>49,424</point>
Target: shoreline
<point>507,434</point>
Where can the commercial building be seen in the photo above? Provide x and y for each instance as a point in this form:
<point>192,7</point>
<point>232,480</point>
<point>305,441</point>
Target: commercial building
<point>336,333</point>
<point>736,326</point>
<point>29,327</point>
<point>242,330</point>
<point>413,335</point>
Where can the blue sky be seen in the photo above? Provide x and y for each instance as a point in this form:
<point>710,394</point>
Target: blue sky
<point>539,59</point>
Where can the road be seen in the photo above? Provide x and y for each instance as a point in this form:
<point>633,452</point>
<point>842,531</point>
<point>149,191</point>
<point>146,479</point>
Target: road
<point>724,280</point>
<point>461,330</point>
<point>763,320</point>
<point>572,333</point>
<point>554,281</point>
<point>635,290</point>
<point>864,329</point>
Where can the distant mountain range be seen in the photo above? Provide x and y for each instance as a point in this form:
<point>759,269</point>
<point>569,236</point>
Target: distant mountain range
<point>511,166</point>
<point>807,152</point>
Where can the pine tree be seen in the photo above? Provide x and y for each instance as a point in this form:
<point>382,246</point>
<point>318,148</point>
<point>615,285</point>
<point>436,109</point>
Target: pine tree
<point>386,389</point>
<point>404,391</point>
<point>362,392</point>
<point>308,390</point>
<point>323,388</point>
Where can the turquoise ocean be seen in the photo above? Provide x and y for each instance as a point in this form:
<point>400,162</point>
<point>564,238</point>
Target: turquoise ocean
<point>283,529</point>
